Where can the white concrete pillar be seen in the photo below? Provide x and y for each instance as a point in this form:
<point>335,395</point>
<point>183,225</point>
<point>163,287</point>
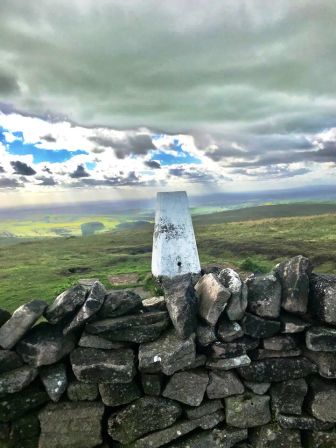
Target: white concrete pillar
<point>174,244</point>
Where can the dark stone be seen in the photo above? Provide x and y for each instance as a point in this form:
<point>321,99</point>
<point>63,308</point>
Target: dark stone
<point>265,354</point>
<point>120,302</point>
<point>187,387</point>
<point>79,391</point>
<point>20,322</point>
<point>273,436</point>
<point>94,341</point>
<point>199,361</point>
<point>322,297</point>
<point>205,334</point>
<point>143,416</point>
<point>322,400</point>
<point>228,363</point>
<point>326,363</point>
<point>247,411</point>
<point>280,343</point>
<point>237,303</point>
<point>90,307</point>
<point>228,331</point>
<point>277,369</point>
<point>54,379</point>
<point>9,361</point>
<point>292,324</point>
<point>231,349</point>
<point>151,383</point>
<point>219,438</point>
<point>213,298</point>
<point>16,380</point>
<point>160,438</point>
<point>224,384</point>
<point>4,316</point>
<point>168,354</point>
<point>25,432</point>
<point>257,388</point>
<point>16,405</point>
<point>321,439</point>
<point>154,304</point>
<point>45,344</point>
<point>71,425</point>
<point>103,366</point>
<point>321,339</point>
<point>137,328</point>
<point>206,408</point>
<point>287,396</point>
<point>119,394</point>
<point>258,327</point>
<point>66,303</point>
<point>181,304</point>
<point>302,422</point>
<point>294,278</point>
<point>264,295</point>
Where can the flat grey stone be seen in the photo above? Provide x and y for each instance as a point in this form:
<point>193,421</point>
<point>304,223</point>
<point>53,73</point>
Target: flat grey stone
<point>187,387</point>
<point>224,384</point>
<point>292,324</point>
<point>206,408</point>
<point>168,354</point>
<point>54,379</point>
<point>280,343</point>
<point>228,331</point>
<point>236,348</point>
<point>321,339</point>
<point>257,388</point>
<point>103,366</point>
<point>145,415</point>
<point>9,361</point>
<point>16,405</point>
<point>71,424</point>
<point>247,411</point>
<point>264,295</point>
<point>273,436</point>
<point>79,391</point>
<point>257,327</point>
<point>21,321</point>
<point>16,380</point>
<point>322,400</point>
<point>119,394</point>
<point>66,303</point>
<point>212,298</point>
<point>288,396</point>
<point>95,341</point>
<point>217,438</point>
<point>302,422</point>
<point>152,383</point>
<point>120,302</point>
<point>156,303</point>
<point>325,361</point>
<point>322,297</point>
<point>265,354</point>
<point>205,334</point>
<point>228,363</point>
<point>237,303</point>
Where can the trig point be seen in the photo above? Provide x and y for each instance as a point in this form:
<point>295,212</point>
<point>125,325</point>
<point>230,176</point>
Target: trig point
<point>174,244</point>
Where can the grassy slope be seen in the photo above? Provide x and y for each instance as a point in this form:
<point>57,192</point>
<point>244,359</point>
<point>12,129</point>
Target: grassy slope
<point>43,268</point>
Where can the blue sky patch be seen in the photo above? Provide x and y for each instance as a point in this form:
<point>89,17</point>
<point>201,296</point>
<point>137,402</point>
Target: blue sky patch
<point>182,157</point>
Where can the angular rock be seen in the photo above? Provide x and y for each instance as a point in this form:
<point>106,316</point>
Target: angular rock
<point>277,369</point>
<point>145,415</point>
<point>4,316</point>
<point>154,304</point>
<point>280,343</point>
<point>294,278</point>
<point>292,324</point>
<point>321,339</point>
<point>151,383</point>
<point>322,400</point>
<point>187,387</point>
<point>20,322</point>
<point>258,327</point>
<point>120,302</point>
<point>247,411</point>
<point>217,438</point>
<point>79,391</point>
<point>228,331</point>
<point>16,380</point>
<point>213,298</point>
<point>94,341</point>
<point>181,304</point>
<point>9,361</point>
<point>205,334</point>
<point>72,425</point>
<point>273,436</point>
<point>264,295</point>
<point>228,363</point>
<point>90,307</point>
<point>264,354</point>
<point>119,394</point>
<point>206,408</point>
<point>200,361</point>
<point>257,388</point>
<point>168,354</point>
<point>237,303</point>
<point>66,303</point>
<point>231,349</point>
<point>224,384</point>
<point>287,396</point>
<point>302,422</point>
<point>54,379</point>
<point>16,405</point>
<point>103,366</point>
<point>138,328</point>
<point>321,439</point>
<point>45,344</point>
<point>322,297</point>
<point>326,363</point>
<point>160,438</point>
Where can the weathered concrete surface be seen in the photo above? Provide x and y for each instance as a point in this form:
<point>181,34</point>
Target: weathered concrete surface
<point>174,244</point>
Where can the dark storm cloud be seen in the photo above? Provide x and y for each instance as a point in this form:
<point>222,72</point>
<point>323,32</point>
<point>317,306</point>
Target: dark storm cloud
<point>138,144</point>
<point>48,138</point>
<point>8,84</point>
<point>22,168</point>
<point>114,181</point>
<point>79,172</point>
<point>152,164</point>
<point>6,182</point>
<point>46,181</point>
<point>2,170</point>
<point>193,174</point>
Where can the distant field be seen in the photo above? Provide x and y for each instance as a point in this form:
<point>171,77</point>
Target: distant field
<point>248,239</point>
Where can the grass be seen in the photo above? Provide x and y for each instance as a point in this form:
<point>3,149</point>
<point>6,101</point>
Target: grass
<point>44,268</point>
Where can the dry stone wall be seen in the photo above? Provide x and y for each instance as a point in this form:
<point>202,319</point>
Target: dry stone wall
<point>215,362</point>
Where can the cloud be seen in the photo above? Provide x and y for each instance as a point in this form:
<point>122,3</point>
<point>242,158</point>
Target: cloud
<point>79,172</point>
<point>8,84</point>
<point>152,164</point>
<point>49,138</point>
<point>22,168</point>
<point>46,181</point>
<point>123,145</point>
<point>6,182</point>
<point>2,170</point>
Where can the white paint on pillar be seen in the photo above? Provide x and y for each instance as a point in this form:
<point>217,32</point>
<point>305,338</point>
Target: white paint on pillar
<point>174,244</point>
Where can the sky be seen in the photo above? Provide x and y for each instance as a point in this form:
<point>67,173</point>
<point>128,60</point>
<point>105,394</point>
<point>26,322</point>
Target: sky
<point>115,99</point>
